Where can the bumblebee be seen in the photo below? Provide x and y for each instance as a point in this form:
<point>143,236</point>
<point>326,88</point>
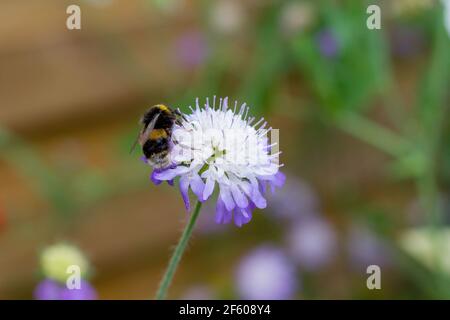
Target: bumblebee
<point>156,133</point>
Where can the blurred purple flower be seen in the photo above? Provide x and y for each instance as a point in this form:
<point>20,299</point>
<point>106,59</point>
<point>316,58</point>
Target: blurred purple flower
<point>312,243</point>
<point>416,215</point>
<point>47,290</point>
<point>328,43</point>
<point>406,41</point>
<point>191,49</point>
<point>266,273</point>
<point>199,292</point>
<point>296,201</point>
<point>52,290</point>
<point>86,292</point>
<point>365,248</point>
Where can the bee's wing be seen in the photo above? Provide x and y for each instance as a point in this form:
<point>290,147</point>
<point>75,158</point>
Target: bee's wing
<point>145,132</point>
<point>135,143</point>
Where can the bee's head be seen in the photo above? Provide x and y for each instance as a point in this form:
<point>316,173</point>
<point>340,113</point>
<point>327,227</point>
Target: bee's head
<point>151,113</point>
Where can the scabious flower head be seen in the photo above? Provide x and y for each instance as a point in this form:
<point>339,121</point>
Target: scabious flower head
<point>223,147</point>
<point>57,258</point>
<point>266,273</point>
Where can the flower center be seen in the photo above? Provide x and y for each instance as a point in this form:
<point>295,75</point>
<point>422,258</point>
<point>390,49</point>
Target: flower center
<point>217,153</point>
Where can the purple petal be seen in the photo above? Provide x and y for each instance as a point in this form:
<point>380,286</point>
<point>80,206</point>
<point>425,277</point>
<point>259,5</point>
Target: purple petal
<point>251,207</point>
<point>197,186</point>
<point>262,186</point>
<point>170,182</point>
<point>257,197</point>
<point>279,179</point>
<point>239,197</point>
<point>209,188</point>
<point>228,217</point>
<point>242,216</point>
<point>223,216</point>
<point>184,188</point>
<point>154,179</point>
<point>170,174</point>
<point>144,159</point>
<point>225,196</point>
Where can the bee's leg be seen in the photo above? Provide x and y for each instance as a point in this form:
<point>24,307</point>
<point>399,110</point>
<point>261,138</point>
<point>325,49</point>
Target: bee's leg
<point>187,147</point>
<point>179,116</point>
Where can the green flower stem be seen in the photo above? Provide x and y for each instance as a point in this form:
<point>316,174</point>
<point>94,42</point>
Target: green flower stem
<point>373,134</point>
<point>178,253</point>
<point>433,111</point>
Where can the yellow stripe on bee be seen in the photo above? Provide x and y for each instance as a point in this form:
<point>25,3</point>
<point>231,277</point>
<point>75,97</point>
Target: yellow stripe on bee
<point>157,133</point>
<point>163,107</point>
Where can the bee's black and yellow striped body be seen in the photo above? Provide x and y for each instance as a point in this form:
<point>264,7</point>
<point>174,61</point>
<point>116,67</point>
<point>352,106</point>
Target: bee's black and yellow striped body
<point>165,120</point>
<point>156,133</point>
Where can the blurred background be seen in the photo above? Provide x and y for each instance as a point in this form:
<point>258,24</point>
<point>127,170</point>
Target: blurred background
<point>363,124</point>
